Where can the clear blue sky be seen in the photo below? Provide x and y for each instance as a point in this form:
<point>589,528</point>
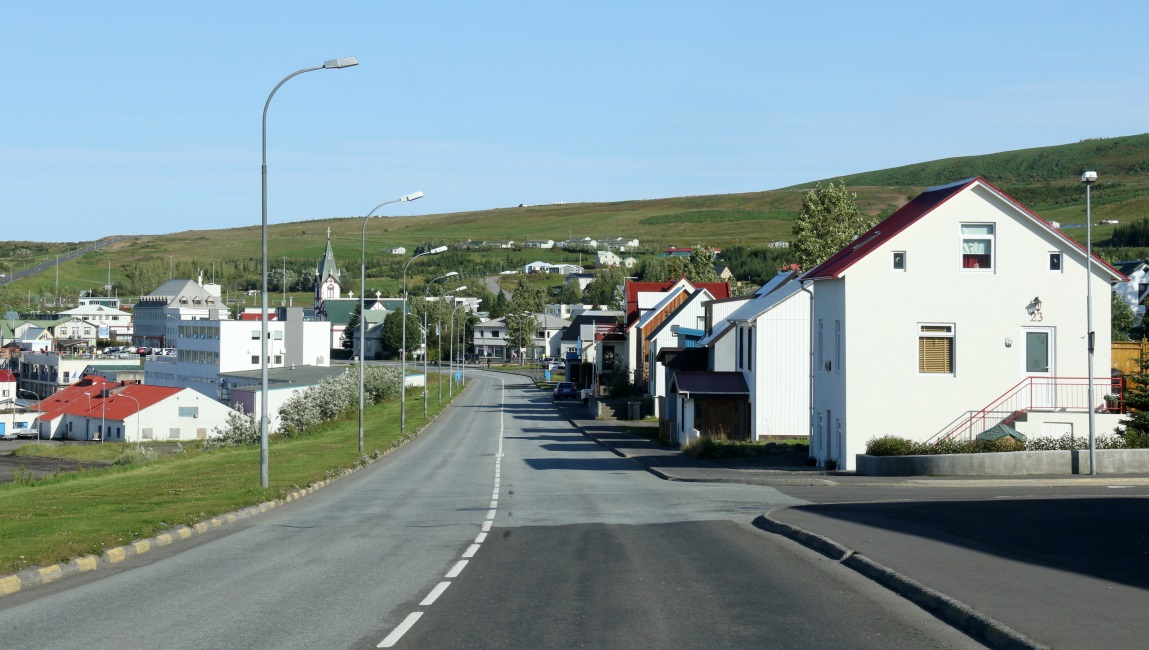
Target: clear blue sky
<point>144,118</point>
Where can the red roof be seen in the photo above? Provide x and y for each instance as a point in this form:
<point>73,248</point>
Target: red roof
<point>719,290</point>
<point>6,376</point>
<point>258,315</point>
<point>909,214</point>
<point>84,399</point>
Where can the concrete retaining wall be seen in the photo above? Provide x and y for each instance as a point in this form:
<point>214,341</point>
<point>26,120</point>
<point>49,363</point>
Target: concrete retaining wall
<point>1014,463</point>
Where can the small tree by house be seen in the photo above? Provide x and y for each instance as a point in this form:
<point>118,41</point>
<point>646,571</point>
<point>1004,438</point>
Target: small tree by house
<point>1136,425</point>
<point>828,221</point>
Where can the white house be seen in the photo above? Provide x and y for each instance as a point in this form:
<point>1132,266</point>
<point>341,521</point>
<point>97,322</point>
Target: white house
<point>1135,290</point>
<point>95,409</point>
<point>109,322</point>
<point>539,243</point>
<point>45,373</point>
<point>398,250</point>
<point>963,301</point>
<point>603,259</point>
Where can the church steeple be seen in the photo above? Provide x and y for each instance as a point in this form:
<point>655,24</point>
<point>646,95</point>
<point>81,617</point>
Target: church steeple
<point>328,278</point>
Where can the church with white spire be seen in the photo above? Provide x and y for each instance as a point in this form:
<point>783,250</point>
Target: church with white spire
<point>328,277</point>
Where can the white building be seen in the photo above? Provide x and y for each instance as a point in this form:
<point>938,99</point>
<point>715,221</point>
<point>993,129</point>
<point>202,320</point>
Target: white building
<point>156,315</point>
<point>45,373</point>
<point>963,301</point>
<point>603,259</point>
<point>206,349</point>
<point>1135,290</point>
<point>491,339</point>
<point>95,409</point>
<point>109,322</point>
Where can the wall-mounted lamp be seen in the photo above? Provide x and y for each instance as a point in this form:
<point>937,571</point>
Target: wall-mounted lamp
<point>1034,307</point>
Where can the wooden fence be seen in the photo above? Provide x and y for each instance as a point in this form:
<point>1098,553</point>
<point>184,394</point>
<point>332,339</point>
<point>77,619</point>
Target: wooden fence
<point>1126,355</point>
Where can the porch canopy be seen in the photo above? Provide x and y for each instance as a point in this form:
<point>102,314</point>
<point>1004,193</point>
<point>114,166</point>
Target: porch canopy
<point>700,383</point>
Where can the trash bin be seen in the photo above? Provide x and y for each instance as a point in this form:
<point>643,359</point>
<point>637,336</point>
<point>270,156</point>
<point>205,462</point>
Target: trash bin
<point>634,410</point>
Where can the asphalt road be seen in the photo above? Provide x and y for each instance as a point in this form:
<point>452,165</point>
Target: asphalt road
<point>499,527</point>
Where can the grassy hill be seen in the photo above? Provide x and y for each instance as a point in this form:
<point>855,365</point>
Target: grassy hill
<point>1045,179</point>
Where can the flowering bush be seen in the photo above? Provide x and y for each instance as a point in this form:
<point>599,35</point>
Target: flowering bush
<point>241,430</point>
<point>335,397</point>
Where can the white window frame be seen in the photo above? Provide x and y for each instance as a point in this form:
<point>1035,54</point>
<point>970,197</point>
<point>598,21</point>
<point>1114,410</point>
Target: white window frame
<point>1060,262</point>
<point>951,333</point>
<point>990,237</point>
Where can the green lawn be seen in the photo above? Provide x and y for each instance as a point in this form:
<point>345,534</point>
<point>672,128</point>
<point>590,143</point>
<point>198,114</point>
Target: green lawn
<point>55,519</point>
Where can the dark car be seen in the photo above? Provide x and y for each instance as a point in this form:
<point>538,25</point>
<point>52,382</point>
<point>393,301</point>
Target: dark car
<point>565,390</point>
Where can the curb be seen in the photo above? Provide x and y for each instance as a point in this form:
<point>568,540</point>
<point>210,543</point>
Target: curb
<point>37,576</point>
<point>959,615</point>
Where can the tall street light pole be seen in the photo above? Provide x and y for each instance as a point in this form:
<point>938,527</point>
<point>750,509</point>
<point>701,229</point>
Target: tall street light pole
<point>439,328</point>
<point>333,64</point>
<point>363,301</point>
<point>139,414</point>
<point>1089,178</point>
<point>403,348</point>
<point>426,338</point>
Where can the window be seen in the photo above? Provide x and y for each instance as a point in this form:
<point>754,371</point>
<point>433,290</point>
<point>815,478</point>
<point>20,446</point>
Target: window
<point>977,246</point>
<point>936,349</point>
<point>254,359</point>
<point>1055,262</point>
<point>821,356</point>
<point>278,335</point>
<point>255,335</point>
<point>189,411</point>
<point>899,260</point>
<point>838,346</point>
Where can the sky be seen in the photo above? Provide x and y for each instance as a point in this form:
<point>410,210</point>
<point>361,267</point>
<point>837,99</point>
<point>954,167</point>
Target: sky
<point>145,118</point>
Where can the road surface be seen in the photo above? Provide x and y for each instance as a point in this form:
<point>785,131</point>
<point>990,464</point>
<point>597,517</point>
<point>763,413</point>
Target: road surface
<point>501,526</point>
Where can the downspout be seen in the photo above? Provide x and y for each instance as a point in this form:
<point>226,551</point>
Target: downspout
<point>805,287</point>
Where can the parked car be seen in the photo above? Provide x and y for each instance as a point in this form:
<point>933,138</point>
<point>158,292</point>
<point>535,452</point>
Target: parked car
<point>115,349</point>
<point>565,390</point>
<point>143,351</point>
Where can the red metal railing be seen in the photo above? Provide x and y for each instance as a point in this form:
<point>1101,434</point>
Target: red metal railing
<point>1066,394</point>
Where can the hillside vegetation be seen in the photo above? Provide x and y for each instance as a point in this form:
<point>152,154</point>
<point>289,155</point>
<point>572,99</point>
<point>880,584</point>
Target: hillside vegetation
<point>1045,179</point>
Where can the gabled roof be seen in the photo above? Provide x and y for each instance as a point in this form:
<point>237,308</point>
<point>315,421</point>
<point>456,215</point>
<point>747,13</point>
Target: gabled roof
<point>701,382</point>
<point>7,376</point>
<point>718,290</point>
<point>912,212</point>
<point>574,330</point>
<point>694,297</point>
<point>765,303</point>
<point>84,399</point>
<point>1129,268</point>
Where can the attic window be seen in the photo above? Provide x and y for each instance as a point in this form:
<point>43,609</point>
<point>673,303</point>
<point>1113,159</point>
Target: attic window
<point>977,246</point>
<point>1055,262</point>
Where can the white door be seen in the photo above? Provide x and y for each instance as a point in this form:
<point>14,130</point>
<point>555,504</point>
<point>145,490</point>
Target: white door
<point>1038,360</point>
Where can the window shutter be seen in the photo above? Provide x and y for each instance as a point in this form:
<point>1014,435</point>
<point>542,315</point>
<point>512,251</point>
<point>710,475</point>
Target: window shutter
<point>935,355</point>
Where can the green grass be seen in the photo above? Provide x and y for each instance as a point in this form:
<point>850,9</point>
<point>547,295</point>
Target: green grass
<point>54,519</point>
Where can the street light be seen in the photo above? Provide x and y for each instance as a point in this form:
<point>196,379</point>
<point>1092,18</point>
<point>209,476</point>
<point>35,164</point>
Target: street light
<point>439,328</point>
<point>139,414</point>
<point>39,412</point>
<point>426,338</point>
<point>1089,178</point>
<point>403,348</point>
<point>343,62</point>
<point>362,299</point>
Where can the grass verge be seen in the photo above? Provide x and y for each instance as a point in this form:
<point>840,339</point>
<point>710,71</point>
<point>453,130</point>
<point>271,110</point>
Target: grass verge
<point>52,520</point>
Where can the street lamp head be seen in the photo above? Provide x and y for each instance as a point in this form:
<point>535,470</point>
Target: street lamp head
<point>412,196</point>
<point>458,289</point>
<point>451,274</point>
<point>1089,177</point>
<point>437,250</point>
<point>341,62</point>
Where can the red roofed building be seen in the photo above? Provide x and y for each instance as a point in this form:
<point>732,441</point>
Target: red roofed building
<point>624,347</point>
<point>97,409</point>
<point>7,386</point>
<point>960,311</point>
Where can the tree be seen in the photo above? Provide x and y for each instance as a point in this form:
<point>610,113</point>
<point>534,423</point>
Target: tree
<point>393,333</point>
<point>699,266</point>
<point>1123,320</point>
<point>606,289</point>
<point>498,306</point>
<point>528,297</point>
<point>570,294</point>
<point>829,220</point>
<point>1136,432</point>
<point>352,330</point>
